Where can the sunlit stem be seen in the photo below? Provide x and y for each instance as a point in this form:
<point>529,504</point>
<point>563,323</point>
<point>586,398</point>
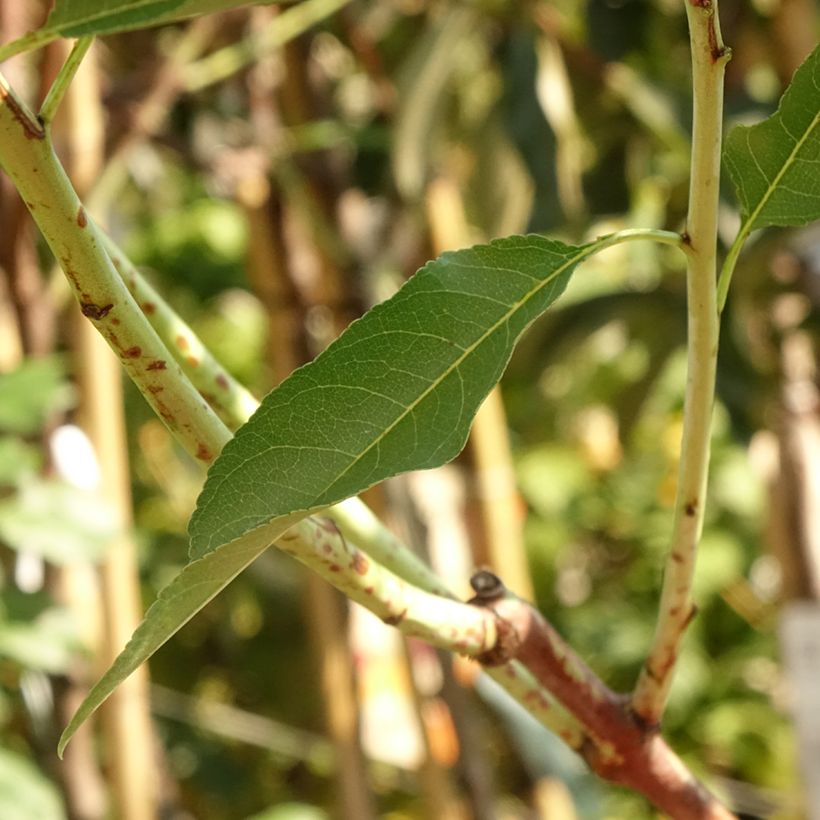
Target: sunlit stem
<point>728,268</point>
<point>63,79</point>
<point>709,58</point>
<point>27,156</point>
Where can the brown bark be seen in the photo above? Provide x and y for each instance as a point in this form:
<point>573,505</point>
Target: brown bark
<point>620,748</point>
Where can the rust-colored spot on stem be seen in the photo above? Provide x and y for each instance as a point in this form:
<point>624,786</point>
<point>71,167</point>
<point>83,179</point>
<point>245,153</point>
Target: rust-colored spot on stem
<point>203,453</point>
<point>132,352</point>
<point>222,381</point>
<point>395,620</point>
<point>158,364</point>
<point>691,507</point>
<point>360,564</point>
<point>182,342</point>
<point>148,308</point>
<point>82,219</point>
<point>93,311</point>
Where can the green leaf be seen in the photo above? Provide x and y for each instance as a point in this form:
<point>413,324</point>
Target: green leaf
<point>25,792</point>
<point>192,589</point>
<point>49,642</point>
<point>396,391</point>
<point>775,165</point>
<point>32,392</point>
<point>78,18</point>
<point>59,522</point>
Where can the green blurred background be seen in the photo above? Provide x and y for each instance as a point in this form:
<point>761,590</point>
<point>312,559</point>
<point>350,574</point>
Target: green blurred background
<point>272,205</point>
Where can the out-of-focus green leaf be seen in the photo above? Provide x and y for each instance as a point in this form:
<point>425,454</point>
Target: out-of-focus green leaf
<point>291,811</point>
<point>49,642</point>
<point>17,460</point>
<point>25,793</point>
<point>775,165</point>
<point>551,477</point>
<point>425,79</point>
<point>57,521</point>
<point>720,563</point>
<point>30,393</point>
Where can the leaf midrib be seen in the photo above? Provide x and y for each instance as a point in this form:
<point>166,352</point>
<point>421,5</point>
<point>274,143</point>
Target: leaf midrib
<point>456,363</point>
<point>103,13</point>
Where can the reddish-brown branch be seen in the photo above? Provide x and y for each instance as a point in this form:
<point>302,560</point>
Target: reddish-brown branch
<point>621,749</point>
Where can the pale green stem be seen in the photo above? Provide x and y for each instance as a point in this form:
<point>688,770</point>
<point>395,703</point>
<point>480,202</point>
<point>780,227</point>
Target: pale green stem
<point>29,42</point>
<point>439,619</point>
<point>283,28</point>
<point>63,79</point>
<point>27,156</point>
<point>449,624</point>
<point>729,263</point>
<point>709,58</point>
<point>521,684</point>
<point>232,402</point>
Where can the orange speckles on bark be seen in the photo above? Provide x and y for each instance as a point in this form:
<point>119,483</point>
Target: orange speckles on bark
<point>157,364</point>
<point>193,361</point>
<point>182,342</point>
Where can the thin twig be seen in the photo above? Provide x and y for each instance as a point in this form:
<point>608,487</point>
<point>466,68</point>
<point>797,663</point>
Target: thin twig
<point>63,79</point>
<point>709,58</point>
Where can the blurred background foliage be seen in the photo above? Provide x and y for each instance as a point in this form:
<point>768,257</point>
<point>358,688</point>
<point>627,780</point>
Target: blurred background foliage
<point>273,190</point>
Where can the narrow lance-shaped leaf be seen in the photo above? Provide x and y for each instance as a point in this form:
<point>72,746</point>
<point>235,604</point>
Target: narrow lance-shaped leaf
<point>397,391</point>
<point>775,165</point>
<point>78,18</point>
<point>75,18</point>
